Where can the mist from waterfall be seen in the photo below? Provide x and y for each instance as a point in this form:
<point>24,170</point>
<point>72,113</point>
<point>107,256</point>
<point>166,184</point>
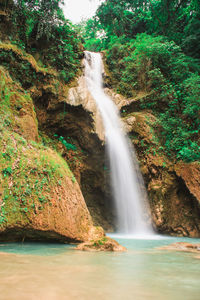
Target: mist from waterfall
<point>128,188</point>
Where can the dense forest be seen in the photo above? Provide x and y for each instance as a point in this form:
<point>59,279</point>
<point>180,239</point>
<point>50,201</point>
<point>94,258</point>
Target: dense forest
<point>153,46</point>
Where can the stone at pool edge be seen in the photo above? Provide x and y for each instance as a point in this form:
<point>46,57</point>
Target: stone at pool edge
<point>103,244</point>
<point>182,246</point>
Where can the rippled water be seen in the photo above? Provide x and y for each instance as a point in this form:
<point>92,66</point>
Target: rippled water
<point>52,271</point>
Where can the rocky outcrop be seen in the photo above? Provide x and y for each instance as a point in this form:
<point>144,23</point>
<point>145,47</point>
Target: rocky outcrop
<point>183,247</point>
<point>103,244</point>
<point>68,111</point>
<point>40,198</point>
<point>190,174</point>
<point>80,95</point>
<point>48,206</point>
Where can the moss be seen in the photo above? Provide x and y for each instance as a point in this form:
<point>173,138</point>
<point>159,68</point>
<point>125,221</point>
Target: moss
<point>33,171</point>
<point>29,170</point>
<point>23,67</point>
<point>100,242</point>
<point>73,179</point>
<point>23,56</point>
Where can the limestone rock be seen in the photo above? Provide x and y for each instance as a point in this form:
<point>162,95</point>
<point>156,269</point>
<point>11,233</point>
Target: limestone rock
<point>118,99</point>
<point>103,244</point>
<point>182,246</point>
<point>80,95</point>
<point>190,173</point>
<point>28,127</point>
<point>49,204</point>
<point>40,198</point>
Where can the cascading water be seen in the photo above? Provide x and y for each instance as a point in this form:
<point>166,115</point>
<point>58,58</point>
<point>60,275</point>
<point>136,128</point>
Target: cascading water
<point>128,196</point>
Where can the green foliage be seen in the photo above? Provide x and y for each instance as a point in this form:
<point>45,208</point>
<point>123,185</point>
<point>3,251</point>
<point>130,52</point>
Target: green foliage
<point>39,27</point>
<point>64,54</point>
<point>7,171</point>
<point>3,218</point>
<point>158,68</point>
<point>92,35</point>
<point>67,145</point>
<point>100,242</point>
<point>73,179</point>
<point>178,20</point>
<point>38,16</point>
<point>192,99</point>
<point>119,17</point>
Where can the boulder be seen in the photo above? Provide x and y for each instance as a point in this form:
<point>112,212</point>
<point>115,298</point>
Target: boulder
<point>103,244</point>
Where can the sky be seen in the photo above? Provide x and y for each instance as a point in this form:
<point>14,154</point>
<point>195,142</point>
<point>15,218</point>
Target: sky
<point>76,10</point>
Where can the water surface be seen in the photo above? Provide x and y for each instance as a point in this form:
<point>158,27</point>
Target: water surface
<point>58,272</point>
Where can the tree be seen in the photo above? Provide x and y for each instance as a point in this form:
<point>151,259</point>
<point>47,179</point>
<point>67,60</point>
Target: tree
<point>39,16</point>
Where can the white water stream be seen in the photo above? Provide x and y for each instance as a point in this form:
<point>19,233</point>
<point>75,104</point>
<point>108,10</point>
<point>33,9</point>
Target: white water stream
<point>132,219</point>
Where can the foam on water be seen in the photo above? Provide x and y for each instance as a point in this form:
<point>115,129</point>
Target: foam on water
<point>138,236</point>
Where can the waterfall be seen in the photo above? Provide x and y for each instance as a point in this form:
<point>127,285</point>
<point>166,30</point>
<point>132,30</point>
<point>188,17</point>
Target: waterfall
<point>131,207</point>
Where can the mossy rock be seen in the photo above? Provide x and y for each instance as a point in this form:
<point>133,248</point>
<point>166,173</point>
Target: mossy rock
<point>17,110</point>
<point>103,244</point>
<point>39,196</point>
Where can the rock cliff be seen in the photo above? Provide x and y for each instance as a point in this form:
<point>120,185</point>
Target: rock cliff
<point>40,199</point>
